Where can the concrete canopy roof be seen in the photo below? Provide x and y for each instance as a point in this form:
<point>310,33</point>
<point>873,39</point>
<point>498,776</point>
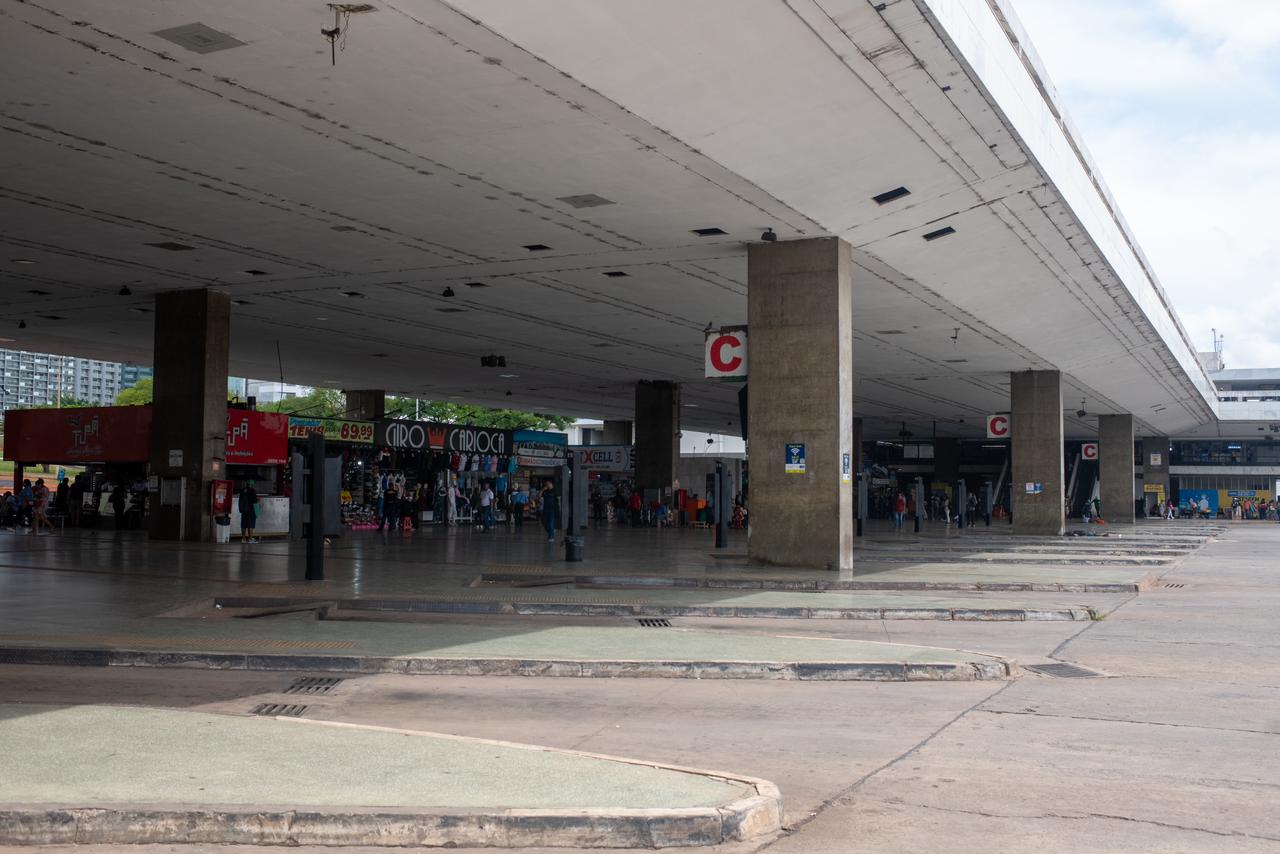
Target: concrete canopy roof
<point>336,203</point>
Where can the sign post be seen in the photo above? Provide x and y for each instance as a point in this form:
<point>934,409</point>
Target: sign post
<point>726,354</point>
<point>987,498</point>
<point>962,504</point>
<point>919,494</point>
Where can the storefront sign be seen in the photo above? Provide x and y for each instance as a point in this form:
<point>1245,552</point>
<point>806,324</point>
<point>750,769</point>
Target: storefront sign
<point>607,457</point>
<point>1153,487</point>
<point>1157,460</point>
<point>726,354</point>
<point>1089,451</point>
<point>538,449</point>
<point>333,430</point>
<point>257,438</point>
<point>104,434</point>
<point>998,426</point>
<point>402,435</point>
<point>795,459</point>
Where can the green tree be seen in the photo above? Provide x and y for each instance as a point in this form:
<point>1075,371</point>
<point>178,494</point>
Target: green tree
<point>66,402</point>
<point>320,403</point>
<point>481,416</point>
<point>138,394</point>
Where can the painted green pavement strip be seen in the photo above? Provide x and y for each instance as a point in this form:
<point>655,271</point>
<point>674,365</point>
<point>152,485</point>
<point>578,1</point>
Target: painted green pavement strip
<point>100,755</point>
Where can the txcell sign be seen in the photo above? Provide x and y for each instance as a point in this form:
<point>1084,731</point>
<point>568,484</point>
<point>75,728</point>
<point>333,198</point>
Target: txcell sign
<point>726,354</point>
<point>998,426</point>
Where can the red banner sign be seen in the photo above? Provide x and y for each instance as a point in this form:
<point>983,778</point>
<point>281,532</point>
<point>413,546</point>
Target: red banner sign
<point>105,434</point>
<point>257,438</point>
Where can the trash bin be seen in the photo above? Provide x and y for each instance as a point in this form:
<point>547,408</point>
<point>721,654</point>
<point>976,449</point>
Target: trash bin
<point>222,529</point>
<point>573,548</point>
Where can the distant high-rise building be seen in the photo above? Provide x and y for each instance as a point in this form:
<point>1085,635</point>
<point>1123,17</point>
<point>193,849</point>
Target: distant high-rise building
<point>34,379</point>
<point>131,375</point>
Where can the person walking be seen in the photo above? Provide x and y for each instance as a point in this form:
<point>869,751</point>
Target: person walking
<point>971,512</point>
<point>486,506</point>
<point>75,500</point>
<point>550,502</point>
<point>248,502</point>
<point>390,509</point>
<point>519,501</point>
<point>899,510</point>
<point>40,512</point>
<point>26,505</point>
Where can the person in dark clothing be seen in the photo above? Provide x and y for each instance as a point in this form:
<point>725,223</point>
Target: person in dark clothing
<point>119,500</point>
<point>550,502</point>
<point>75,500</point>
<point>390,510</point>
<point>61,496</point>
<point>248,512</point>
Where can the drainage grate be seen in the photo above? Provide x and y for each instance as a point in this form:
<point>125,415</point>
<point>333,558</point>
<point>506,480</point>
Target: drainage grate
<point>1063,671</point>
<point>284,710</point>
<point>654,622</point>
<point>313,685</point>
<point>1174,586</point>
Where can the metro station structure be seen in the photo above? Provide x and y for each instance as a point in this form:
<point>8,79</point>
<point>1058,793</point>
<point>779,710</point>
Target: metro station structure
<point>888,196</point>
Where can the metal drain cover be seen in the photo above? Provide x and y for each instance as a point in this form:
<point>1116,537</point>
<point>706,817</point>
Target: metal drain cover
<point>1063,671</point>
<point>654,622</point>
<point>1172,586</point>
<point>284,710</point>
<point>313,685</point>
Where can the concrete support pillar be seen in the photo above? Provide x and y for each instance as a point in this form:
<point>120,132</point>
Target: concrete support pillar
<point>1155,467</point>
<point>855,445</point>
<point>1115,467</point>
<point>1036,427</point>
<point>657,437</point>
<point>618,433</point>
<point>366,404</point>
<point>800,313</point>
<point>946,461</point>
<point>189,419</point>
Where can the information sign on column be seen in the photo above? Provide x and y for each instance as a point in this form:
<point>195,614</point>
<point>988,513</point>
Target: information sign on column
<point>795,461</point>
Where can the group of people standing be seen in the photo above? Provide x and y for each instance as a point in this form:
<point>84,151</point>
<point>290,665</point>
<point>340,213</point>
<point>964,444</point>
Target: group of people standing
<point>401,506</point>
<point>35,506</point>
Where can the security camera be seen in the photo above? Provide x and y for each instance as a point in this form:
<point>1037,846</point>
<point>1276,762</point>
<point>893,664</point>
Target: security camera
<point>769,235</point>
<point>1080,413</point>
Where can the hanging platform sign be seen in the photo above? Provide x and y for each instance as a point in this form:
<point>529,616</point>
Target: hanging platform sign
<point>998,426</point>
<point>726,354</point>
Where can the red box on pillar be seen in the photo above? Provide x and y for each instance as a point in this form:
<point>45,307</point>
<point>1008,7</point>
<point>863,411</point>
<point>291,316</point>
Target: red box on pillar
<point>220,497</point>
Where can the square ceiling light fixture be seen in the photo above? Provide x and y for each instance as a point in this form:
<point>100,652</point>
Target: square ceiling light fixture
<point>709,232</point>
<point>198,38</point>
<point>942,232</point>
<point>586,200</point>
<point>170,246</point>
<point>890,195</point>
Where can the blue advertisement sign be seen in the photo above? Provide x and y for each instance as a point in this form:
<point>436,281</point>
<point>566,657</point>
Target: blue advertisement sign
<point>1203,499</point>
<point>795,461</point>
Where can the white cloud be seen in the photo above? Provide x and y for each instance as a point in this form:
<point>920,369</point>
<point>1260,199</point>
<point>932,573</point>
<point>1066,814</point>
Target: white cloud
<point>1180,109</point>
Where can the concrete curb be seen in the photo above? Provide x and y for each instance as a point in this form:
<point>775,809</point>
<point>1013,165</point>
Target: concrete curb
<point>641,582</point>
<point>818,671</point>
<point>604,609</point>
<point>751,817</point>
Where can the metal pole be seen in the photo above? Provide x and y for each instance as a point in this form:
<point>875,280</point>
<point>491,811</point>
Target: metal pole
<point>862,500</point>
<point>722,516</point>
<point>315,537</point>
<point>986,501</point>
<point>919,491</point>
<point>962,503</point>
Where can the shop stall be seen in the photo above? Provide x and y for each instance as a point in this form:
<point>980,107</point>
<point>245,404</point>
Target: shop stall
<point>257,450</point>
<point>113,443</point>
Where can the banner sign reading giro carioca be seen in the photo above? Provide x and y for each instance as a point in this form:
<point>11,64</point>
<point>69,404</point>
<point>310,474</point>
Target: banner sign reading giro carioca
<point>403,435</point>
<point>333,429</point>
<point>726,354</point>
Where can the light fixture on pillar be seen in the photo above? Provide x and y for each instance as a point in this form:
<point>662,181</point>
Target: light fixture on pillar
<point>125,292</point>
<point>769,236</point>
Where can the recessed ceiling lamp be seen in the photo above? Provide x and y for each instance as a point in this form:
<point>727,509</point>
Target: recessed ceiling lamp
<point>709,232</point>
<point>23,261</point>
<point>476,285</point>
<point>509,376</point>
<point>890,195</point>
<point>353,294</point>
<point>537,247</point>
<point>941,232</point>
<point>170,246</point>
<point>616,274</point>
<point>124,291</point>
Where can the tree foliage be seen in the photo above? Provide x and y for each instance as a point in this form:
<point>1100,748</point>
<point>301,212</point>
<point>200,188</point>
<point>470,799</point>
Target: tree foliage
<point>138,394</point>
<point>448,412</point>
<point>320,403</point>
<point>65,402</point>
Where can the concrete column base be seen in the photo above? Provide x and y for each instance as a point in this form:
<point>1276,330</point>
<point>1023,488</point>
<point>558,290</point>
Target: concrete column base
<point>1115,467</point>
<point>657,435</point>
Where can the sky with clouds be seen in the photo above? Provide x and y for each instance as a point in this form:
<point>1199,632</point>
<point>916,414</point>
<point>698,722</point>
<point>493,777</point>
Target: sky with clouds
<point>1178,101</point>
